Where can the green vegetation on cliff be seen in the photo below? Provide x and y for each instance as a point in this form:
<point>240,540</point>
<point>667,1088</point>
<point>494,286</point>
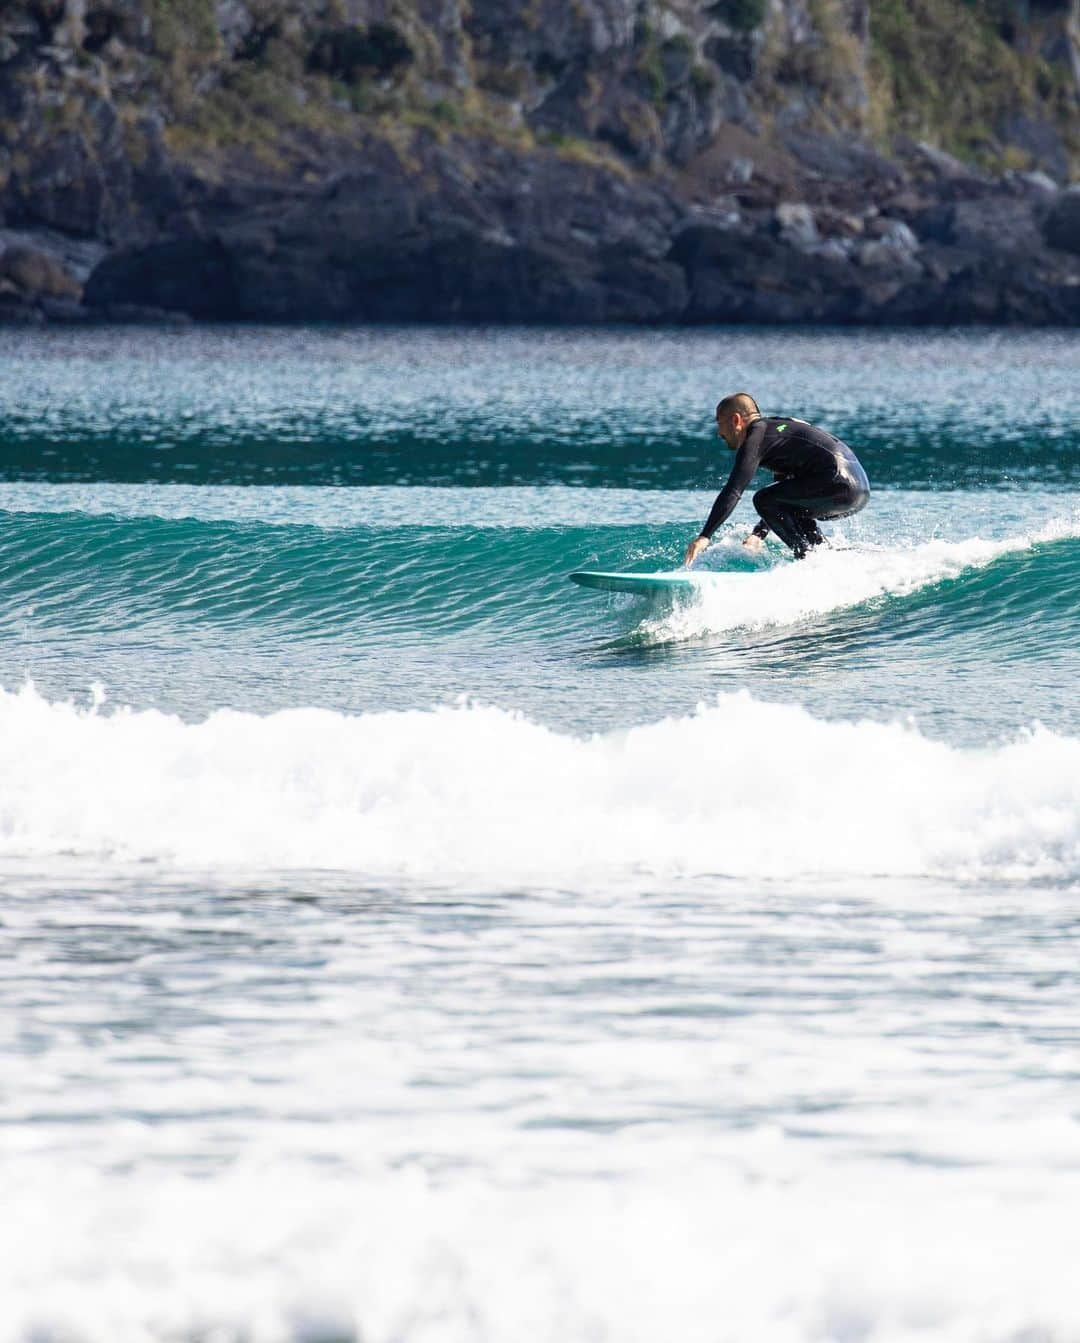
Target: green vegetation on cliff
<point>978,77</point>
<point>642,85</point>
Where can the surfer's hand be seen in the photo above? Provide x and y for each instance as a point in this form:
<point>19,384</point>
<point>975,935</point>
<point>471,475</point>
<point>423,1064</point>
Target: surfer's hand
<point>697,547</point>
<point>754,542</point>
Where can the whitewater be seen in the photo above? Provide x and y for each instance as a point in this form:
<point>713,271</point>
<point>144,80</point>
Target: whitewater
<point>481,797</point>
<point>399,944</point>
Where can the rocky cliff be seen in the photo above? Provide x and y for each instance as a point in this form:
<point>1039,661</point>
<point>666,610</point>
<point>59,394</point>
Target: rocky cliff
<point>540,160</point>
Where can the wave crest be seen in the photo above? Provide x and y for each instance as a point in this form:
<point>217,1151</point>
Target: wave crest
<point>481,796</point>
<point>831,581</point>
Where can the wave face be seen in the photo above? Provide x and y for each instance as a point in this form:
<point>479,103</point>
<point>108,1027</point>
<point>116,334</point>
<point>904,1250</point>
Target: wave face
<point>365,575</point>
<point>340,407</point>
<point>478,796</point>
<point>368,600</point>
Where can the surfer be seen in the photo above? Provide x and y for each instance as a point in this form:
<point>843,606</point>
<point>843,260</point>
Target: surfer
<point>817,477</point>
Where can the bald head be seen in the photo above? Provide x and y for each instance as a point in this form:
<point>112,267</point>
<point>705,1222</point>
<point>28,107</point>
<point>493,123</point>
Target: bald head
<point>743,402</point>
<point>734,415</point>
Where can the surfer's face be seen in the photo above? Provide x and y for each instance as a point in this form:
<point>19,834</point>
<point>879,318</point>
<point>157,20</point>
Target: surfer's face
<point>730,428</point>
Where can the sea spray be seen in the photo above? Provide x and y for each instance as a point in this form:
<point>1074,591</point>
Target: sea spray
<point>833,579</point>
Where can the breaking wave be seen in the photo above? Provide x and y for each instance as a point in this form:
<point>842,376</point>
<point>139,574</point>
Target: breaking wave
<point>478,795</point>
<point>834,580</point>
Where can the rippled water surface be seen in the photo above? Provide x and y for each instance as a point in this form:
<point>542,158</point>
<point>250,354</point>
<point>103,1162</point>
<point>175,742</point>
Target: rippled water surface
<point>399,943</point>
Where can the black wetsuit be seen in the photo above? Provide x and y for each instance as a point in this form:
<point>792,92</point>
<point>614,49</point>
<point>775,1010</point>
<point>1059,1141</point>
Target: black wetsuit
<point>819,477</point>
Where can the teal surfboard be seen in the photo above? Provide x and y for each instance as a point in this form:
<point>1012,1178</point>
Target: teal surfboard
<point>641,584</point>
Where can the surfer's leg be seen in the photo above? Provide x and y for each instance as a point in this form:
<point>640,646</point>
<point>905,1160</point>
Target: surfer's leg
<point>792,507</point>
<point>780,518</point>
<point>807,524</point>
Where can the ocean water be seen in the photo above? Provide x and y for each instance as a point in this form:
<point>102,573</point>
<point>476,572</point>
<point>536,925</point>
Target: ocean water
<point>400,944</point>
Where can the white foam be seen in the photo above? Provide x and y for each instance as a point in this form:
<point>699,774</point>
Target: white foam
<point>276,1254</point>
<point>481,795</point>
<point>833,580</point>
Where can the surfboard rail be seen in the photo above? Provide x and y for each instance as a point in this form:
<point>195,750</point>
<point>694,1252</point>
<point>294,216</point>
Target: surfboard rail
<point>637,583</point>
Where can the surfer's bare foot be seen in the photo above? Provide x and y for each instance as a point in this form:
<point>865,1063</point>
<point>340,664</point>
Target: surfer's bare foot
<point>754,542</point>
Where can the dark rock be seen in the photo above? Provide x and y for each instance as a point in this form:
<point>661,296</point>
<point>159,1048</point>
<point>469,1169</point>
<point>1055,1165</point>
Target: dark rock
<point>16,313</point>
<point>62,186</point>
<point>700,247</point>
<point>1062,226</point>
<point>735,54</point>
<point>842,159</point>
<point>138,314</point>
<point>190,275</point>
<point>690,119</point>
<point>986,291</point>
<point>74,178</point>
<point>935,224</point>
<point>350,51</point>
<point>942,261</point>
<point>642,289</point>
<point>573,244</point>
<point>988,225</point>
<point>750,277</point>
<point>676,62</point>
<point>995,224</point>
<point>66,311</point>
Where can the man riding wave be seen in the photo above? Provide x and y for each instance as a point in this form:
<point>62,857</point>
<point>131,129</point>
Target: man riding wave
<point>817,477</point>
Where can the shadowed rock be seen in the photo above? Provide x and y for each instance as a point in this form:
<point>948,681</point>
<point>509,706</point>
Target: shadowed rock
<point>1063,222</point>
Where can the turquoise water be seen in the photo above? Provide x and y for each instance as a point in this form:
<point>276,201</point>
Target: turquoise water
<point>400,942</point>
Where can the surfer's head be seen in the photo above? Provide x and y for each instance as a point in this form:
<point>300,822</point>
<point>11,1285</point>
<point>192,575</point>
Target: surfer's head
<point>734,415</point>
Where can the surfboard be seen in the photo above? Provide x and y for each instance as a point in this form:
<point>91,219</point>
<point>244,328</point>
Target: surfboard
<point>641,584</point>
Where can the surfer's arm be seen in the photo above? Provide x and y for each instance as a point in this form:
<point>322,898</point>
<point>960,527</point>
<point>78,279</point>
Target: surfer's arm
<point>742,473</point>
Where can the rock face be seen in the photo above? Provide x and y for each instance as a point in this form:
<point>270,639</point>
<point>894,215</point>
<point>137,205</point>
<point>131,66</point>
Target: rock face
<point>572,244</point>
<point>1062,225</point>
<point>516,160</point>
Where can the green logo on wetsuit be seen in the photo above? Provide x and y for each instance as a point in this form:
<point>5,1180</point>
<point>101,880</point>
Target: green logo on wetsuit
<point>780,428</point>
